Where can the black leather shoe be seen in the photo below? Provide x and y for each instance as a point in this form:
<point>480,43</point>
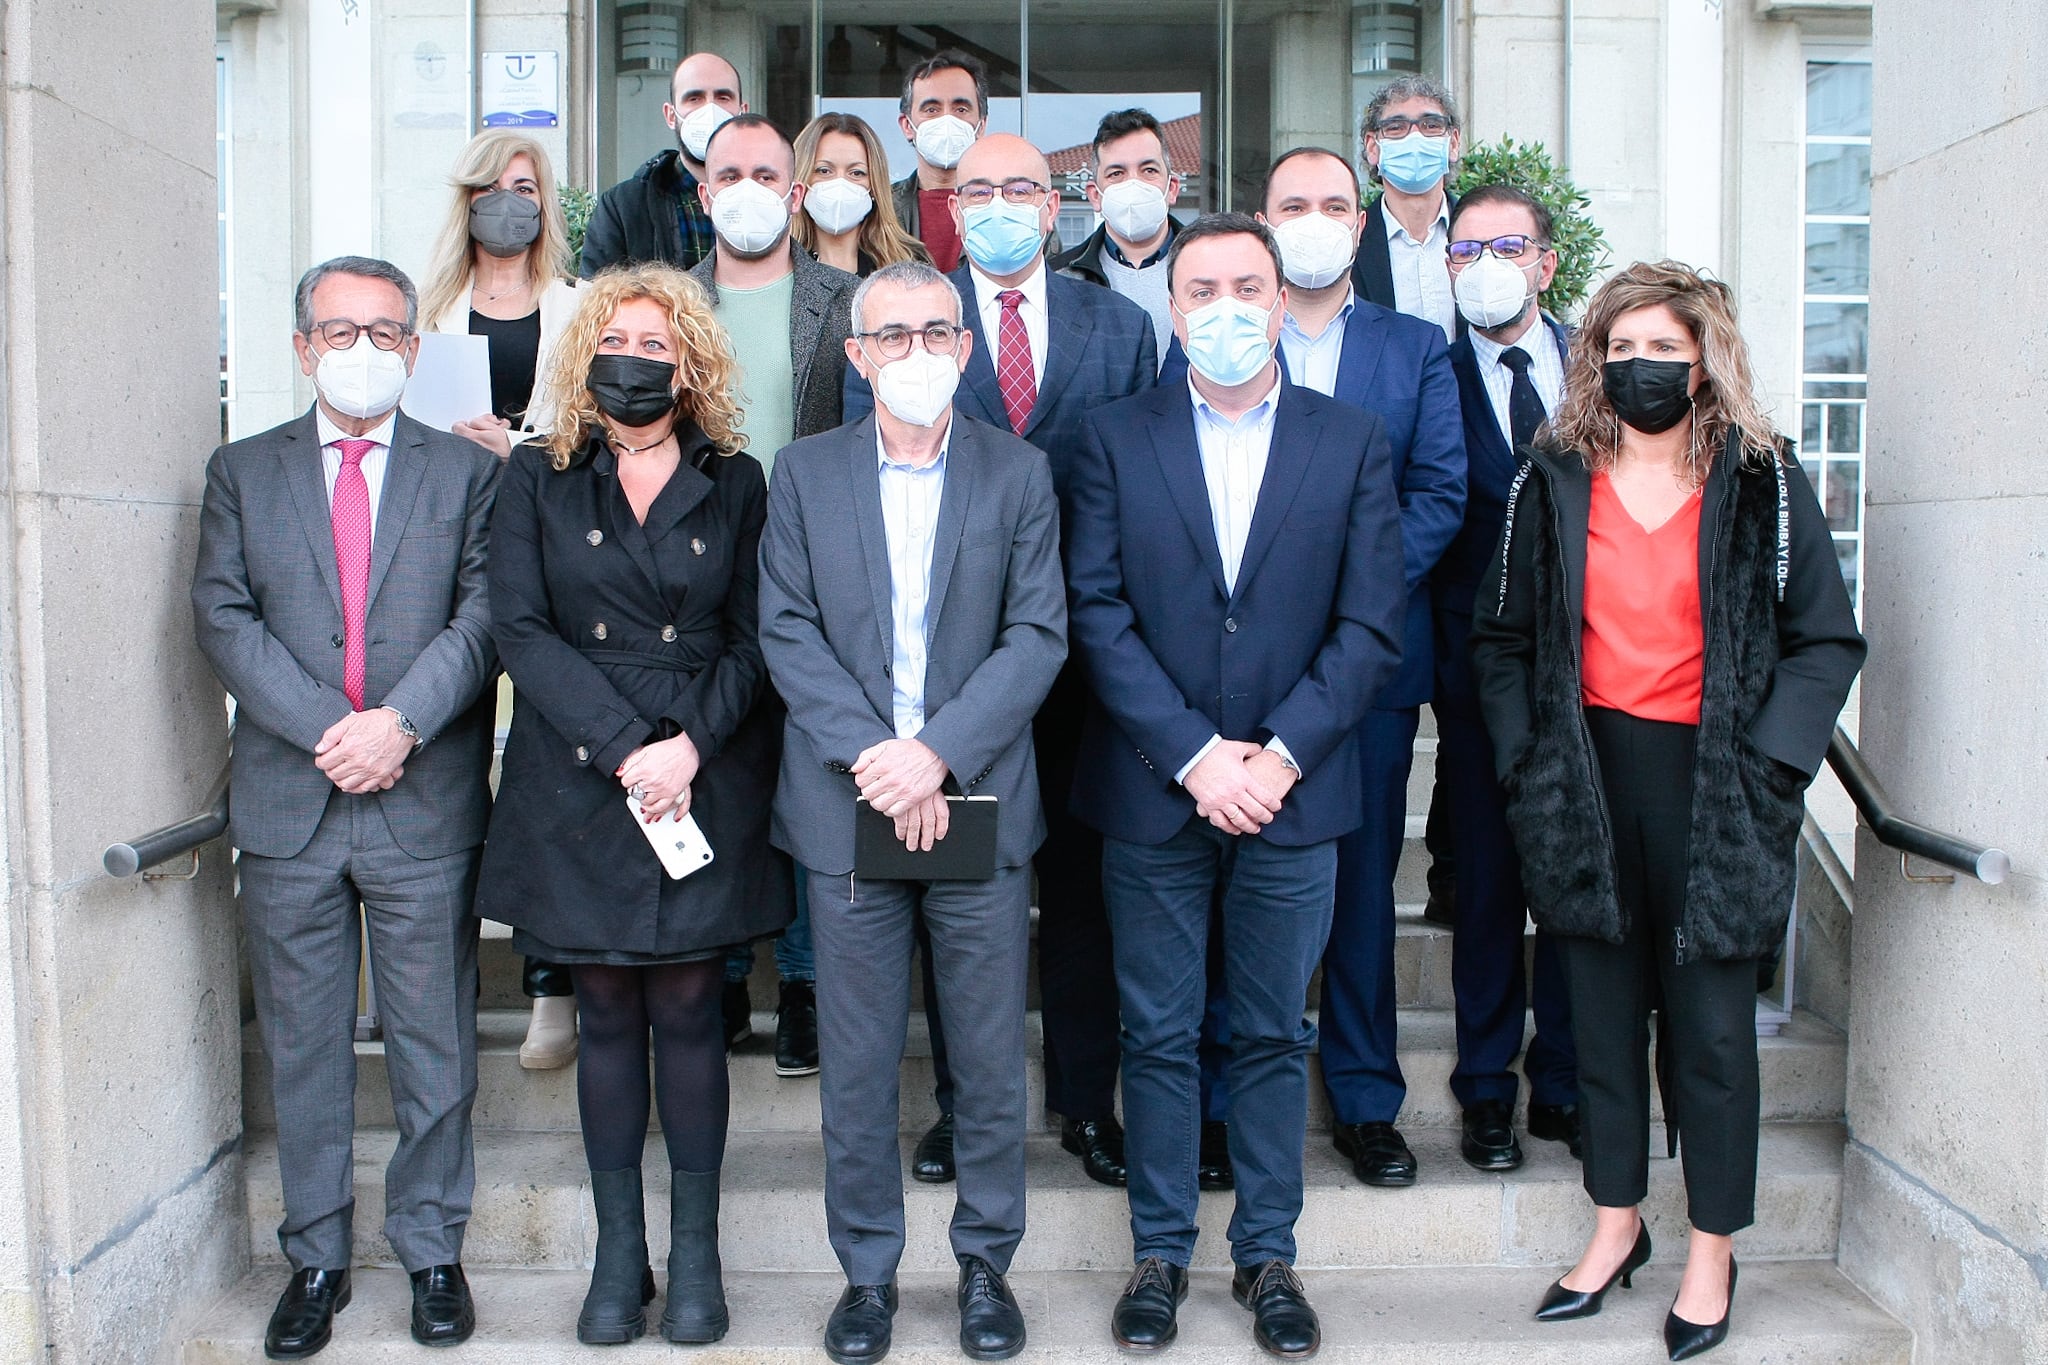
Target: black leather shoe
<point>1100,1145</point>
<point>796,1030</point>
<point>1146,1315</point>
<point>303,1320</point>
<point>1561,1304</point>
<point>1378,1154</point>
<point>991,1324</point>
<point>857,1333</point>
<point>1282,1322</point>
<point>737,1009</point>
<point>1557,1123</point>
<point>1213,1170</point>
<point>1441,909</point>
<point>1683,1340</point>
<point>442,1312</point>
<point>932,1159</point>
<point>1489,1140</point>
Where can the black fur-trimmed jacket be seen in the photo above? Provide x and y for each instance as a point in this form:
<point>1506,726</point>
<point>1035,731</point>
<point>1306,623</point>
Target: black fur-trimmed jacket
<point>1781,650</point>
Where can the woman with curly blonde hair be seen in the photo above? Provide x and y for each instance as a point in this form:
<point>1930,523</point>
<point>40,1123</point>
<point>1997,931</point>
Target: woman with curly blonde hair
<point>622,580</point>
<point>843,222</point>
<point>1661,650</point>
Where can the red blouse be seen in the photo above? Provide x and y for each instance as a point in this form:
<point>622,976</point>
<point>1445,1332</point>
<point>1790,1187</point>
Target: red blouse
<point>1643,647</point>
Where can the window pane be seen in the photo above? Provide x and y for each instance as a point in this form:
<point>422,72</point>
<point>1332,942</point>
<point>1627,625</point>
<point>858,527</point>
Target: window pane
<point>1849,554</point>
<point>1838,99</point>
<point>1845,495</point>
<point>1845,429</point>
<point>1837,178</point>
<point>1837,258</point>
<point>1836,338</point>
<point>1853,389</point>
<point>1809,428</point>
<point>867,55</point>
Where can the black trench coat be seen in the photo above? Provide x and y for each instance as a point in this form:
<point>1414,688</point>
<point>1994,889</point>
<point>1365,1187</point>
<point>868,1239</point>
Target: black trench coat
<point>614,634</point>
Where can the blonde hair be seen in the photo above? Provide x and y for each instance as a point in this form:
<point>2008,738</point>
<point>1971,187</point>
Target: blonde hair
<point>708,377</point>
<point>881,236</point>
<point>1726,400</point>
<point>453,262</point>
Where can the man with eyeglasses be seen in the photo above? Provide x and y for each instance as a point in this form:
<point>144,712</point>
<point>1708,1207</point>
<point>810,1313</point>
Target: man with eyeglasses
<point>1053,348</point>
<point>657,214</point>
<point>1132,187</point>
<point>1409,140</point>
<point>1510,365</point>
<point>339,595</point>
<point>913,615</point>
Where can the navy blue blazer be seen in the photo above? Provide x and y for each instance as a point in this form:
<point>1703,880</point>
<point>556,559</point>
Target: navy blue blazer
<point>1372,270</point>
<point>1098,348</point>
<point>1311,632</point>
<point>1491,469</point>
<point>1398,368</point>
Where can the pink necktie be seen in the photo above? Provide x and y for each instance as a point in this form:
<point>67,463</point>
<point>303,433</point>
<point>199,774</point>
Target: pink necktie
<point>351,517</point>
<point>1014,372</point>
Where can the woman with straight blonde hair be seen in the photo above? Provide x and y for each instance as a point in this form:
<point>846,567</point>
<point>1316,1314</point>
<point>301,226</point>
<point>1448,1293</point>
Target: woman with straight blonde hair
<point>1661,650</point>
<point>623,603</point>
<point>844,223</point>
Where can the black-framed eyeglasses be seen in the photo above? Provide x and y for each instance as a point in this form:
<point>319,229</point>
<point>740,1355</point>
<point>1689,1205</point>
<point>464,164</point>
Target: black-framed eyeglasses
<point>893,343</point>
<point>1398,126</point>
<point>1512,247</point>
<point>339,333</point>
<point>976,193</point>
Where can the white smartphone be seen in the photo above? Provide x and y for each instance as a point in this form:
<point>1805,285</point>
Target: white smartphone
<point>677,841</point>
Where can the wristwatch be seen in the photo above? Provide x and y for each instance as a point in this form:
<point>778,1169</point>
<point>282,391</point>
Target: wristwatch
<point>405,725</point>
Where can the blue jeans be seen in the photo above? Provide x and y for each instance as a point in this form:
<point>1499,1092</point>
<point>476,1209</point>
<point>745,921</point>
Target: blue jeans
<point>794,960</point>
<point>1274,919</point>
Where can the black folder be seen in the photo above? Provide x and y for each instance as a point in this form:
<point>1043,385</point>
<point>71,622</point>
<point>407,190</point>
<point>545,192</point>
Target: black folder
<point>966,854</point>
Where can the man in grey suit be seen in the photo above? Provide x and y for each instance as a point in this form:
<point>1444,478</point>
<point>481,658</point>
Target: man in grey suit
<point>913,616</point>
<point>339,596</point>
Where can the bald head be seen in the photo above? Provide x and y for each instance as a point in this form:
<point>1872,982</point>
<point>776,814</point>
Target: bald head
<point>1001,157</point>
<point>706,78</point>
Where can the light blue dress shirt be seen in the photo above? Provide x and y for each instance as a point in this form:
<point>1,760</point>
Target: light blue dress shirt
<point>1312,361</point>
<point>911,495</point>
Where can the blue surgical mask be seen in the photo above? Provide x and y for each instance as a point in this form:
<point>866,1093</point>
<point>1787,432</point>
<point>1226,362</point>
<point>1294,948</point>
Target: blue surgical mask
<point>1002,238</point>
<point>1415,163</point>
<point>1228,341</point>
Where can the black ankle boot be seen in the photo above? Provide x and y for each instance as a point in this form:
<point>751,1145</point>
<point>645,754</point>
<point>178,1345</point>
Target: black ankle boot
<point>696,1292</point>
<point>621,1284</point>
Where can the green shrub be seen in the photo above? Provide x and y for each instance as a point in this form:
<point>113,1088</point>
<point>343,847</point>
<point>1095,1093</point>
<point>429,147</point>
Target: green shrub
<point>1581,245</point>
<point>576,207</point>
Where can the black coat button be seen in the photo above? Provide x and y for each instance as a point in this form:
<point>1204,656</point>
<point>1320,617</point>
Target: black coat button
<point>338,642</point>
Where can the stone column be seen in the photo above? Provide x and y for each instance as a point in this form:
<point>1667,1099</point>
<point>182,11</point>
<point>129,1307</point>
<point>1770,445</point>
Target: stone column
<point>120,1165</point>
<point>1945,1202</point>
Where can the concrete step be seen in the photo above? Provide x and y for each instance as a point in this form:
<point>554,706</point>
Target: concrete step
<point>1786,1313</point>
<point>1802,1068</point>
<point>532,1207</point>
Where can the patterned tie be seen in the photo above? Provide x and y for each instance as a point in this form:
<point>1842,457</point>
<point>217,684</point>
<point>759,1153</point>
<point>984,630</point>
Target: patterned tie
<point>351,517</point>
<point>1014,372</point>
<point>1525,409</point>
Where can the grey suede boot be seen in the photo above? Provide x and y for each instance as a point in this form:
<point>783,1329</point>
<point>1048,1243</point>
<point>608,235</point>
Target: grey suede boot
<point>621,1283</point>
<point>696,1294</point>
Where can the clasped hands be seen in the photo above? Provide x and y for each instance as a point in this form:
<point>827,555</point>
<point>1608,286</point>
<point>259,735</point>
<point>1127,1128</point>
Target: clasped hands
<point>1238,786</point>
<point>901,779</point>
<point>660,774</point>
<point>364,751</point>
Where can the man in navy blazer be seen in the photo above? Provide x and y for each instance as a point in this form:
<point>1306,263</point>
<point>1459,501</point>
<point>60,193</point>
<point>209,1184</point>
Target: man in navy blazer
<point>1408,141</point>
<point>1079,346</point>
<point>1510,365</point>
<point>1234,552</point>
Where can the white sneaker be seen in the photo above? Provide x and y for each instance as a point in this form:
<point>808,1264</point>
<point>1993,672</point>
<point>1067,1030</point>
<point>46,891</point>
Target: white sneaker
<point>551,1037</point>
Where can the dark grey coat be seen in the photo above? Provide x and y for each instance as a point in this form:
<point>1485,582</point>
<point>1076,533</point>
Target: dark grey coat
<point>820,320</point>
<point>584,600</point>
<point>1781,650</point>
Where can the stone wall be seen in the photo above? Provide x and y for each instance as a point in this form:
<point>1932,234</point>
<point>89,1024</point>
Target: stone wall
<point>1946,1196</point>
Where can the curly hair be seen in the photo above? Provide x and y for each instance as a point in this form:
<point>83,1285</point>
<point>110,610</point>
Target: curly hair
<point>1725,402</point>
<point>708,378</point>
<point>482,162</point>
<point>881,236</point>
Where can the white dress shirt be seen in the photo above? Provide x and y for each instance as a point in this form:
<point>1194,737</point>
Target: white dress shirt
<point>911,495</point>
<point>1312,360</point>
<point>1233,466</point>
<point>373,463</point>
<point>1422,280</point>
<point>1546,370</point>
<point>989,309</point>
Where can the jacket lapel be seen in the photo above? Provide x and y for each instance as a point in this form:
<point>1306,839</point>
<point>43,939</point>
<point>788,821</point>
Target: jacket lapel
<point>981,397</point>
<point>679,497</point>
<point>1573,488</point>
<point>866,484</point>
<point>1065,338</point>
<point>1365,336</point>
<point>963,456</point>
<point>405,467</point>
<point>1491,444</point>
<point>303,471</point>
<point>1372,274</point>
<point>808,297</point>
<point>1179,452</point>
<point>1287,459</point>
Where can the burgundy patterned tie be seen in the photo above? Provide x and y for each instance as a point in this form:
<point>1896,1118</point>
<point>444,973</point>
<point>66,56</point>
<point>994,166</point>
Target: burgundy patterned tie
<point>351,517</point>
<point>1014,372</point>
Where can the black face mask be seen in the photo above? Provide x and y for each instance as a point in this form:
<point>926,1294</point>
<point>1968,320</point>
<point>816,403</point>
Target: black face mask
<point>504,223</point>
<point>1649,395</point>
<point>632,390</point>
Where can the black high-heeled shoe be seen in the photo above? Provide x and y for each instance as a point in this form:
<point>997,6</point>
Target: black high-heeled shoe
<point>1683,1340</point>
<point>1561,1304</point>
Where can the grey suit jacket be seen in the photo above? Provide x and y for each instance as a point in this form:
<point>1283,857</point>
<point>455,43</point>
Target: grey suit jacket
<point>996,629</point>
<point>266,607</point>
<point>820,319</point>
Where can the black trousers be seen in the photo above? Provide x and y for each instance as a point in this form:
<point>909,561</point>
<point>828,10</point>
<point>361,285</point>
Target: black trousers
<point>1708,1009</point>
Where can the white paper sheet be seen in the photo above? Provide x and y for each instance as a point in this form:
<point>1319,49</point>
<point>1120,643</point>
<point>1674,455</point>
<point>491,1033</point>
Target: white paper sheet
<point>451,382</point>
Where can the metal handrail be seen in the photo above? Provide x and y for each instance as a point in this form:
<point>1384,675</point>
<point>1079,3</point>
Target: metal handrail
<point>1988,865</point>
<point>162,845</point>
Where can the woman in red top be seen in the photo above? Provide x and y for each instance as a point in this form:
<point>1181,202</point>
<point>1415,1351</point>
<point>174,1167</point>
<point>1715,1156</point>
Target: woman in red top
<point>1661,652</point>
